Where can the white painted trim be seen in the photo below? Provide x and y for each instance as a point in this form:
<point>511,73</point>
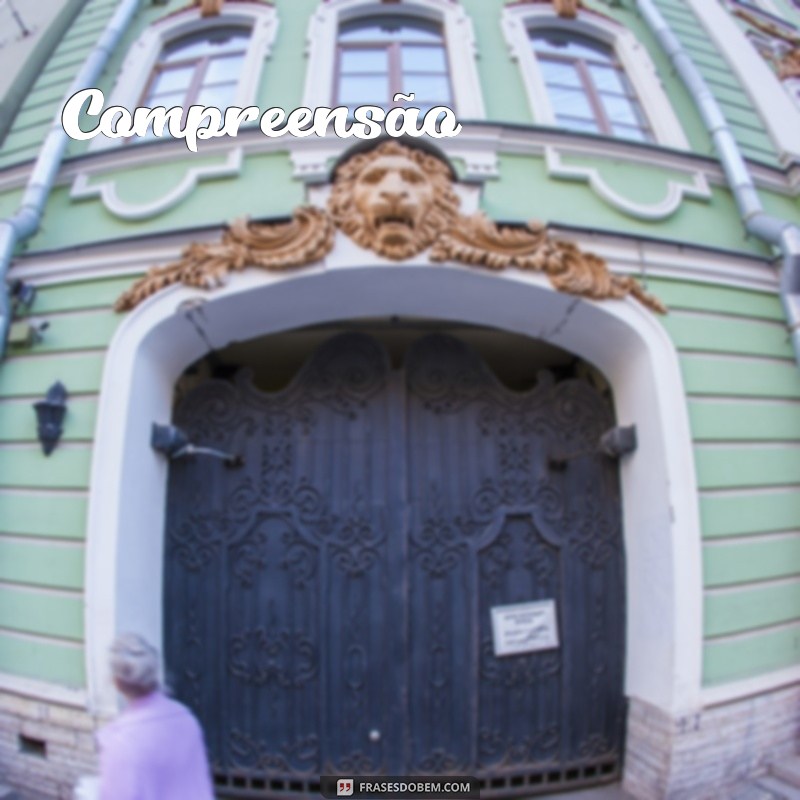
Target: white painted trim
<point>676,192</point>
<point>478,145</point>
<point>518,20</point>
<point>660,506</point>
<point>761,684</point>
<point>40,690</point>
<point>107,190</point>
<point>779,115</point>
<point>678,261</point>
<point>262,20</point>
<point>459,35</point>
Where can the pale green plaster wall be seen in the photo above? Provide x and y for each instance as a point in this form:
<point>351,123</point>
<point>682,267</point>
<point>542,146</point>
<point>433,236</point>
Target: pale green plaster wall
<point>743,388</point>
<point>743,392</point>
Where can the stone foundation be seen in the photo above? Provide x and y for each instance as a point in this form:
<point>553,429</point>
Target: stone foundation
<point>58,747</point>
<point>704,756</point>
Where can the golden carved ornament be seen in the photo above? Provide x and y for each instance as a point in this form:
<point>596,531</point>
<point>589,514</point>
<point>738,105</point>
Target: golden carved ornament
<point>210,8</point>
<point>564,8</point>
<point>788,64</point>
<point>274,247</point>
<point>567,8</point>
<point>397,202</point>
<point>478,241</point>
<point>393,200</point>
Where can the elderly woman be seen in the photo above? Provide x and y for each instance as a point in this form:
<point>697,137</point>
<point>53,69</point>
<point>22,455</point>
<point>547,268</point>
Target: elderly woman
<point>154,750</point>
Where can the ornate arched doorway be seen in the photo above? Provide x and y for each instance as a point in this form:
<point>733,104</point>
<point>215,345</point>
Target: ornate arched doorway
<point>338,603</point>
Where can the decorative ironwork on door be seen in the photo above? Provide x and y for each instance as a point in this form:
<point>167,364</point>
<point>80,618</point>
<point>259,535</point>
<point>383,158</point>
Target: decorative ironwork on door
<point>327,606</point>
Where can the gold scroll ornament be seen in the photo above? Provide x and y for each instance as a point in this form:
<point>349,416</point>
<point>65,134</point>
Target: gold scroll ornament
<point>397,202</point>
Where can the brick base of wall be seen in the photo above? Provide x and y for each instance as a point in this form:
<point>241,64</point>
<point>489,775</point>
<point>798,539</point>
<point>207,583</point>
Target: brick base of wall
<point>701,756</point>
<point>68,738</point>
<point>705,756</point>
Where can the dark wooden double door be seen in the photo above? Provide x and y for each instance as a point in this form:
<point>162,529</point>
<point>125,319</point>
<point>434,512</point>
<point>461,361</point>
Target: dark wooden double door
<point>327,605</point>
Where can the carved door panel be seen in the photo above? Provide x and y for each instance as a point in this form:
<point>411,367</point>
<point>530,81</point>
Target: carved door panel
<point>327,606</point>
<point>495,522</point>
<point>275,602</point>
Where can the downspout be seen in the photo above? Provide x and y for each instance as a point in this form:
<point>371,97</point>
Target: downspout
<point>25,222</point>
<point>780,233</point>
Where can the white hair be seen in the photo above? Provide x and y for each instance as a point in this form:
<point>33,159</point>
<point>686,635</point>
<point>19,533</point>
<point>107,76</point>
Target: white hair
<point>134,663</point>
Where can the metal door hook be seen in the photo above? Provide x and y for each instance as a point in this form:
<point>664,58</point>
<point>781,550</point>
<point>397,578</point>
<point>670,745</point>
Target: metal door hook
<point>174,443</point>
<point>614,443</point>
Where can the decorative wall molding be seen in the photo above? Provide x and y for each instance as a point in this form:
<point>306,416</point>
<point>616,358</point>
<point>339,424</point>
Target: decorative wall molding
<point>518,20</point>
<point>108,193</point>
<point>396,202</point>
<point>459,36</point>
<point>676,192</point>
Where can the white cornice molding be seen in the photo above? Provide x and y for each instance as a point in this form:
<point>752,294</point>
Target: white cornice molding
<point>459,35</point>
<point>478,144</point>
<point>624,254</point>
<point>760,684</point>
<point>780,116</point>
<point>516,21</point>
<point>43,691</point>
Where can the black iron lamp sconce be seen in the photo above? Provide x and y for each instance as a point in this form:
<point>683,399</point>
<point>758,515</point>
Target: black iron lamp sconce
<point>172,442</point>
<point>614,443</point>
<point>50,414</point>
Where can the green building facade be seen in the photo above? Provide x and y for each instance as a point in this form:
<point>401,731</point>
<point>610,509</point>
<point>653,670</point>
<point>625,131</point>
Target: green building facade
<point>710,501</point>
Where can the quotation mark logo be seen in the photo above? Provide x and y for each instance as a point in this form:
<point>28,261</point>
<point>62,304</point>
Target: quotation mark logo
<point>344,787</point>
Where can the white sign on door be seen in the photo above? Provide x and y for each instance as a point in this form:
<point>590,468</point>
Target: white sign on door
<point>524,627</point>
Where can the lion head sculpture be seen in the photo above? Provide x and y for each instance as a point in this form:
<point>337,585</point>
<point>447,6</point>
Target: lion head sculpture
<point>393,200</point>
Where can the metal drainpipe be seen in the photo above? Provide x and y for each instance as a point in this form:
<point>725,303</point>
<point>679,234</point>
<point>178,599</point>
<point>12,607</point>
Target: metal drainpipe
<point>25,222</point>
<point>780,233</point>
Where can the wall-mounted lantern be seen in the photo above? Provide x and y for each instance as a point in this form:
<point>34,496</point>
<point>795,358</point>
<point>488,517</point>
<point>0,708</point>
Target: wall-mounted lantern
<point>50,416</point>
<point>174,443</point>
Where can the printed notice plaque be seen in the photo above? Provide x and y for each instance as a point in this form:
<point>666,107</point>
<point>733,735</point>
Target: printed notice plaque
<point>524,627</point>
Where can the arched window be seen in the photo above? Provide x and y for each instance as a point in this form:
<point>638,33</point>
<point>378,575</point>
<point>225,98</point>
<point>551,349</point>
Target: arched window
<point>377,57</point>
<point>372,52</point>
<point>185,59</point>
<point>587,86</point>
<point>202,68</point>
<point>589,75</point>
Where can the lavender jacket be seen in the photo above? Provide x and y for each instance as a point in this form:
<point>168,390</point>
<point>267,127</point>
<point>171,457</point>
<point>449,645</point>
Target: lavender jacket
<point>154,750</point>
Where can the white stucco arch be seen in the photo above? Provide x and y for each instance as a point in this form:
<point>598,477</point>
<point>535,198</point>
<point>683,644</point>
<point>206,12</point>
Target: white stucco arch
<point>156,342</point>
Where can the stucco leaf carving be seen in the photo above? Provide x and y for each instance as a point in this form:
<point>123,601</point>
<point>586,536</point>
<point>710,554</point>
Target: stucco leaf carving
<point>397,202</point>
<point>209,8</point>
<point>308,237</point>
<point>564,8</point>
<point>479,241</point>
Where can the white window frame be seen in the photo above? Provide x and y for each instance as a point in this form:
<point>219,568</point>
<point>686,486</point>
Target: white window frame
<point>143,55</point>
<point>518,21</point>
<point>457,30</point>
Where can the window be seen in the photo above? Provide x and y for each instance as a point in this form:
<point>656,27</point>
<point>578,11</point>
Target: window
<point>185,59</point>
<point>378,58</point>
<point>372,52</point>
<point>588,88</point>
<point>202,69</point>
